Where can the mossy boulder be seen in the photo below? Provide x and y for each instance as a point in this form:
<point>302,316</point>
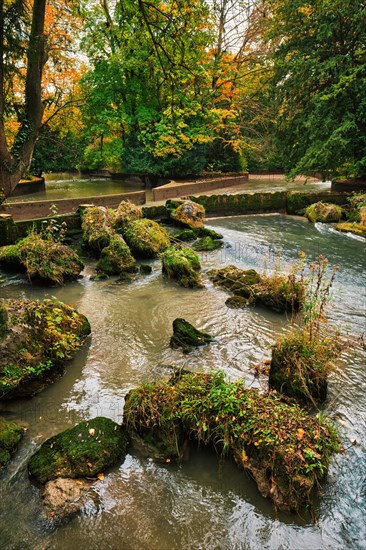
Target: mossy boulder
<point>126,213</point>
<point>190,214</point>
<point>145,269</point>
<point>97,227</point>
<point>324,213</point>
<point>89,448</point>
<point>45,260</point>
<point>187,336</point>
<point>300,366</point>
<point>286,450</point>
<point>355,228</point>
<point>116,258</point>
<point>38,337</point>
<point>183,265</point>
<point>207,244</point>
<point>205,232</point>
<point>236,302</point>
<point>146,238</point>
<point>10,435</point>
<point>186,235</point>
<point>279,292</point>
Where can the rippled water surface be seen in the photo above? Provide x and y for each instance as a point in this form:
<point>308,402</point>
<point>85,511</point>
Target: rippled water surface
<point>198,505</point>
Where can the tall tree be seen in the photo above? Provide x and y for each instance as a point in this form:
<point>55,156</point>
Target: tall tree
<point>15,160</point>
<point>320,84</point>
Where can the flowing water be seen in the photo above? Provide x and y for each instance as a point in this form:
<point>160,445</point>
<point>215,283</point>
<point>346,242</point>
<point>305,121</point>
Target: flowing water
<point>200,504</point>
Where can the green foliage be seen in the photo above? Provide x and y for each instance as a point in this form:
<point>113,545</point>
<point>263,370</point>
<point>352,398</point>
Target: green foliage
<point>56,152</point>
<point>83,451</point>
<point>286,450</point>
<point>182,264</point>
<point>319,85</point>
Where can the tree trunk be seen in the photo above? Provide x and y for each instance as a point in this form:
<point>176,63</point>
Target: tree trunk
<point>14,163</point>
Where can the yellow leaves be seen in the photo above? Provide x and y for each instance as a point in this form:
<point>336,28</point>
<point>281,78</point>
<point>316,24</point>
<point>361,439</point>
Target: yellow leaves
<point>167,460</point>
<point>100,477</point>
<point>244,456</point>
<point>300,434</point>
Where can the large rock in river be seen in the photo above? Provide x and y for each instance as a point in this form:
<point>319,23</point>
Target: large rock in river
<point>36,338</point>
<point>86,450</point>
<point>190,214</point>
<point>182,264</point>
<point>10,435</point>
<point>146,238</point>
<point>323,212</point>
<point>187,336</point>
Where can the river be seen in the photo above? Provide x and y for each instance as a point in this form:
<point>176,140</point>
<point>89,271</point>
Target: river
<point>200,504</point>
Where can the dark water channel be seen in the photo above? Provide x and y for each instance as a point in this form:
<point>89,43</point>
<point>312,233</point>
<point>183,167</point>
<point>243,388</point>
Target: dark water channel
<point>198,505</point>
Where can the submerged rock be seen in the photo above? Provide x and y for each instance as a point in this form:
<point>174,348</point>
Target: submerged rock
<point>182,264</point>
<point>323,212</point>
<point>237,302</point>
<point>44,260</point>
<point>145,269</point>
<point>63,498</point>
<point>207,244</point>
<point>86,450</point>
<point>285,449</point>
<point>189,213</point>
<point>187,336</point>
<point>146,238</point>
<point>37,338</point>
<point>355,228</point>
<point>10,435</point>
<point>116,258</point>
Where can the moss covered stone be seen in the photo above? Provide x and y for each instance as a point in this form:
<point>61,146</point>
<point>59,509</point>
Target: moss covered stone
<point>186,235</point>
<point>323,212</point>
<point>278,292</point>
<point>145,269</point>
<point>187,336</point>
<point>355,228</point>
<point>190,214</point>
<point>207,244</point>
<point>146,238</point>
<point>285,449</point>
<point>89,448</point>
<point>10,435</point>
<point>300,366</point>
<point>182,264</point>
<point>97,227</point>
<point>116,258</point>
<point>237,302</point>
<point>39,338</point>
<point>126,213</point>
<point>44,260</point>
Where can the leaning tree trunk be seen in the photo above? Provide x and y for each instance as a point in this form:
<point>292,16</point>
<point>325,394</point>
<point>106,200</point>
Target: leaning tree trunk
<point>14,163</point>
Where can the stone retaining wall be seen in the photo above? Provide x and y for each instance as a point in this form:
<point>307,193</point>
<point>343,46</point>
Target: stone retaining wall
<point>27,187</point>
<point>41,209</point>
<point>175,189</point>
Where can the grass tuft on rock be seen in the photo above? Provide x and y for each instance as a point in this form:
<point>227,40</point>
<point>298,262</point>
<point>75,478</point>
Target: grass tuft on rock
<point>96,226</point>
<point>183,265</point>
<point>285,449</point>
<point>126,213</point>
<point>85,450</point>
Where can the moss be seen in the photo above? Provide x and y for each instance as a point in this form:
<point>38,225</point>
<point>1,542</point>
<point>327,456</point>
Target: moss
<point>40,337</point>
<point>187,336</point>
<point>207,244</point>
<point>96,226</point>
<point>44,260</point>
<point>116,258</point>
<point>10,435</point>
<point>245,203</point>
<point>300,366</point>
<point>355,228</point>
<point>205,232</point>
<point>182,264</point>
<point>83,451</point>
<point>190,214</point>
<point>126,213</point>
<point>286,450</point>
<point>145,269</point>
<point>157,213</point>
<point>186,235</point>
<point>323,212</point>
<point>146,238</point>
<point>278,292</point>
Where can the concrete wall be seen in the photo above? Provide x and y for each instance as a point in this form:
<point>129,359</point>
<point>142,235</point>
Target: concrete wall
<point>27,187</point>
<point>175,189</point>
<point>246,203</point>
<point>41,209</point>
